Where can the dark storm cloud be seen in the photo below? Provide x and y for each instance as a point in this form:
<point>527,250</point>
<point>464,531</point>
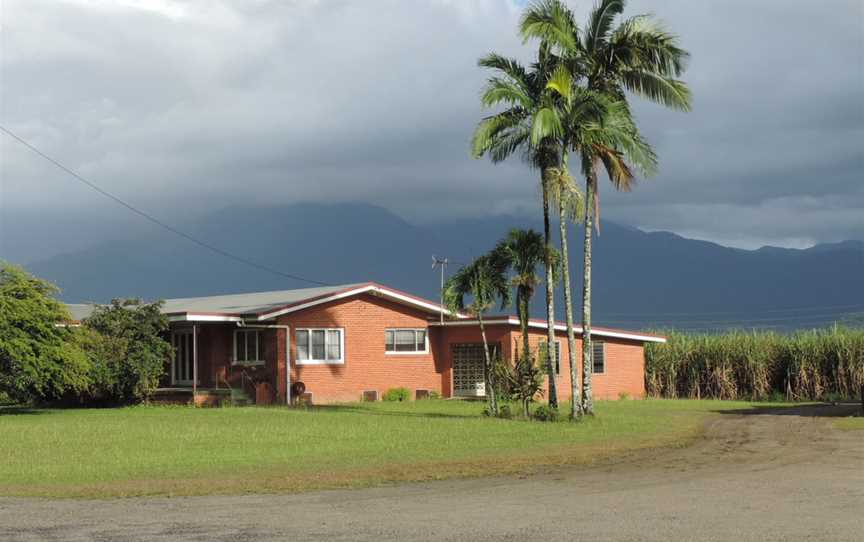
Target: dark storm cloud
<point>183,107</point>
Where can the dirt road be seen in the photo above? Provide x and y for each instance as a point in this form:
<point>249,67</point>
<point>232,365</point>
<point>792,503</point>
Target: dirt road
<point>766,476</point>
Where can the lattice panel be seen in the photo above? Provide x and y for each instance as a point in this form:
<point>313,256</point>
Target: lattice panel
<point>468,369</point>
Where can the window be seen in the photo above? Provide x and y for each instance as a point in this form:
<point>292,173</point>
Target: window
<point>541,354</point>
<point>247,346</point>
<point>599,354</point>
<point>405,341</point>
<point>319,346</point>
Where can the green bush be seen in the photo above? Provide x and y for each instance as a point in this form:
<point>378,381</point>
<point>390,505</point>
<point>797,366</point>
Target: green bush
<point>126,350</point>
<point>545,413</point>
<point>39,359</point>
<point>397,394</point>
<point>806,365</point>
<point>433,395</point>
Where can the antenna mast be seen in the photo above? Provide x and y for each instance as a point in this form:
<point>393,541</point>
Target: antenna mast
<point>442,263</point>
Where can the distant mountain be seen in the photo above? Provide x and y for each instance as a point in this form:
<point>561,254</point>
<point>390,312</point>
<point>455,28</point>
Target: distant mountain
<point>640,279</point>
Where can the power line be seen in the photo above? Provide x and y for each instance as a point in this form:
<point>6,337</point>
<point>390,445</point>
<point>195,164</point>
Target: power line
<point>858,306</point>
<point>158,222</point>
<point>743,320</point>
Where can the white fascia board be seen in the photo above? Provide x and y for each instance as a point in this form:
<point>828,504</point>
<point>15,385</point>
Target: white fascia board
<point>559,327</point>
<point>356,291</point>
<point>191,317</point>
<point>631,336</point>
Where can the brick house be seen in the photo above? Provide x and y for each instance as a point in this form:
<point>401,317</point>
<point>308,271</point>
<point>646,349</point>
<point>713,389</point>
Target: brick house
<point>356,341</point>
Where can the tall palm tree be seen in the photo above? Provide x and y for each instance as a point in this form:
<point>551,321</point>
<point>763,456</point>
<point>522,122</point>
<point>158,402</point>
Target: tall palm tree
<point>524,251</point>
<point>569,202</point>
<point>637,56</point>
<point>484,281</point>
<point>529,123</point>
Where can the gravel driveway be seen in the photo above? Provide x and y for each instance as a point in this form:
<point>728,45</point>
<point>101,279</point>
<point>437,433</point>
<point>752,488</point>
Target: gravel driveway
<point>767,476</point>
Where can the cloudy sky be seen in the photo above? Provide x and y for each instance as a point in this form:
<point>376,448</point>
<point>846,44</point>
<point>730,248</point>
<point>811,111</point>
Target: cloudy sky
<point>184,107</point>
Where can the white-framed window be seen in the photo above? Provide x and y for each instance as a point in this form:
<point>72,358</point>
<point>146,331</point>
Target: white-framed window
<point>406,341</point>
<point>320,346</point>
<point>248,349</point>
<point>598,351</point>
<point>556,362</point>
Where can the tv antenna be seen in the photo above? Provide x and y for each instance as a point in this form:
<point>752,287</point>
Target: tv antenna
<point>442,264</point>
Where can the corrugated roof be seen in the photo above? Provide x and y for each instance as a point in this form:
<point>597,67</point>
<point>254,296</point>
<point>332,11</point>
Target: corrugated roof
<point>79,311</point>
<point>251,303</point>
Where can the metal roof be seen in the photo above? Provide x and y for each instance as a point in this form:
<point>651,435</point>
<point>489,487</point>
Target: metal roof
<point>79,311</point>
<point>251,303</point>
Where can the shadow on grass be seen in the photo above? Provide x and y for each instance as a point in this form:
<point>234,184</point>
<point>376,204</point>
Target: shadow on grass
<point>399,413</point>
<point>817,410</point>
<point>20,410</point>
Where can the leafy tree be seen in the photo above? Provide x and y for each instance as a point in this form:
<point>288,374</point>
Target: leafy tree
<point>484,281</point>
<point>38,357</point>
<point>636,56</point>
<point>530,123</point>
<point>128,352</point>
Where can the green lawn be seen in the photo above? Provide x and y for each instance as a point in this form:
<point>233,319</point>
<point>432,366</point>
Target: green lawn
<point>182,450</point>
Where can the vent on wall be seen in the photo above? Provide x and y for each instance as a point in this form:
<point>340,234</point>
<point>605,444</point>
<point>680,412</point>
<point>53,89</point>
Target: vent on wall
<point>370,395</point>
<point>421,394</point>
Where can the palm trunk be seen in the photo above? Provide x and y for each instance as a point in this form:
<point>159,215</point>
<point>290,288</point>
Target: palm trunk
<point>550,308</point>
<point>575,406</point>
<point>587,358</point>
<point>524,309</point>
<point>490,374</point>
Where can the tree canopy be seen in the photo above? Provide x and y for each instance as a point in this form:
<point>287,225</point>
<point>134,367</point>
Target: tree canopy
<point>38,355</point>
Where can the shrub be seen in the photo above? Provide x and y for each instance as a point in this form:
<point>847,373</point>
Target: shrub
<point>521,381</point>
<point>397,394</point>
<point>433,395</point>
<point>505,412</point>
<point>127,352</point>
<point>545,413</point>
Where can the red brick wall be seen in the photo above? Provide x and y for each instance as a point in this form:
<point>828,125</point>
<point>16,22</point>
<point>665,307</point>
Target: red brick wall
<point>625,365</point>
<point>364,319</point>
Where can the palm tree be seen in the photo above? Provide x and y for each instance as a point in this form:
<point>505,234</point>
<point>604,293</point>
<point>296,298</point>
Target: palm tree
<point>530,122</point>
<point>637,56</point>
<point>569,202</point>
<point>524,251</point>
<point>485,281</point>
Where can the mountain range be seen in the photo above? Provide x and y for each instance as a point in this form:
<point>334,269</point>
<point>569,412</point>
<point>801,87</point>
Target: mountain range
<point>641,279</point>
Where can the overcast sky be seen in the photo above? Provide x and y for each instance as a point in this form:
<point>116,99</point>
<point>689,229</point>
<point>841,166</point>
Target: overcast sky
<point>188,106</point>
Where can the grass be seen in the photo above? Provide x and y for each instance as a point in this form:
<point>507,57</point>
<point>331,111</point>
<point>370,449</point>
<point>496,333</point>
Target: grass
<point>185,451</point>
<point>850,423</point>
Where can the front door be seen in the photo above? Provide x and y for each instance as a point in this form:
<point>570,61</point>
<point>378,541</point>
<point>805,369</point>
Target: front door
<point>181,364</point>
<point>469,375</point>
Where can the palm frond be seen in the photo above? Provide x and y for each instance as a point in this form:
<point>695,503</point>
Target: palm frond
<point>508,66</point>
<point>670,92</point>
<point>643,42</point>
<point>491,130</point>
<point>561,82</point>
<point>600,23</point>
<point>545,124</point>
<point>552,22</point>
<point>500,91</point>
